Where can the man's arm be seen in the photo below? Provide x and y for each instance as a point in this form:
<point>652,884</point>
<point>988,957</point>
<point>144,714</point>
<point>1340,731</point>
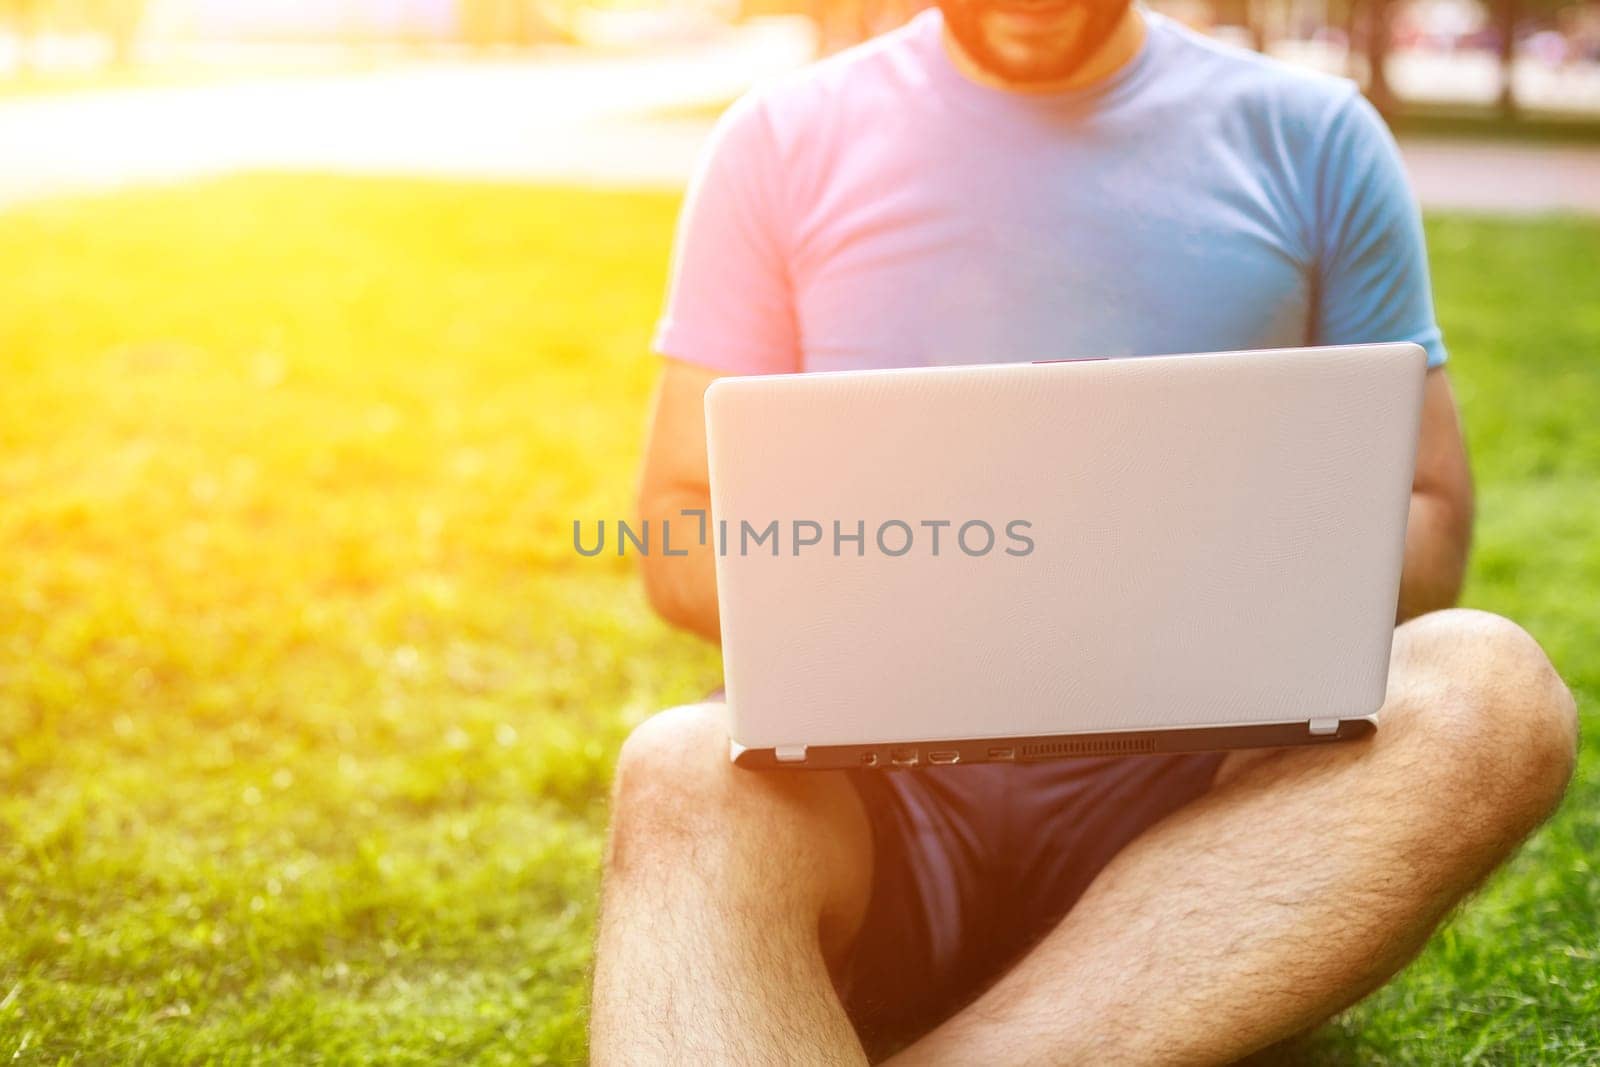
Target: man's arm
<point>1440,528</point>
<point>682,589</point>
<point>1371,281</point>
<point>728,307</point>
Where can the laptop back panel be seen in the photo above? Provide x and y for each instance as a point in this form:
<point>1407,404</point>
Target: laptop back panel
<point>1147,545</point>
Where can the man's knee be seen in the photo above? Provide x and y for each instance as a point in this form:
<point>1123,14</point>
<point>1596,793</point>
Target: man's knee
<point>678,794</point>
<point>673,772</point>
<point>671,743</point>
<point>1493,726</point>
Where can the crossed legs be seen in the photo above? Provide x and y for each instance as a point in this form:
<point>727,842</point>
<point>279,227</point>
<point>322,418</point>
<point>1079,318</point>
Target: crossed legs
<point>1299,883</point>
<point>727,894</point>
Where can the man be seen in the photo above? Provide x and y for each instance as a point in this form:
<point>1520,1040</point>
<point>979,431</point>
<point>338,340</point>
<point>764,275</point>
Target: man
<point>1025,180</point>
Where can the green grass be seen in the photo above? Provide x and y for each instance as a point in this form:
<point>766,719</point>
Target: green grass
<point>307,708</point>
<point>1487,124</point>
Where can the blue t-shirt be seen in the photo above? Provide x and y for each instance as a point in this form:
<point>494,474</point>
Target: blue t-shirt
<point>879,209</point>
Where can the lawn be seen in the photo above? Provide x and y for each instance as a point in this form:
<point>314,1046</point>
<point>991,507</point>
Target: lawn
<point>307,707</point>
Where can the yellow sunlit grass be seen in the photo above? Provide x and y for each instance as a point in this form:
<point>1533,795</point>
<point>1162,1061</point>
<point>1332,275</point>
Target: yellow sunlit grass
<point>305,702</point>
<point>308,708</point>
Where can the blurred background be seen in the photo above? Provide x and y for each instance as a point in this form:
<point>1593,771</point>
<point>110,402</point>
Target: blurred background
<point>1537,54</point>
<point>321,322</point>
<point>624,93</point>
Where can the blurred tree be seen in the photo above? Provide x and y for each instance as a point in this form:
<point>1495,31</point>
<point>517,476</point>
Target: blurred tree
<point>842,23</point>
<point>1375,32</point>
<point>1253,19</point>
<point>486,23</point>
<point>119,21</point>
<point>1505,22</point>
<point>22,18</point>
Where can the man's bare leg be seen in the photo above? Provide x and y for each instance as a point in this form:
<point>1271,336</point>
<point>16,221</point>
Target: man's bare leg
<point>1303,880</point>
<point>726,892</point>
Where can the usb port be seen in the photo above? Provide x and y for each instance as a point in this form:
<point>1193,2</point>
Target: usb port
<point>1006,752</point>
<point>944,756</point>
<point>903,757</point>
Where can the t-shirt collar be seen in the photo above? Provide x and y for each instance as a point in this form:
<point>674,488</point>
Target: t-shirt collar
<point>928,29</point>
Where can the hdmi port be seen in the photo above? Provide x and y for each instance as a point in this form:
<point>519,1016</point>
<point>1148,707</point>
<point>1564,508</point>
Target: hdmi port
<point>903,757</point>
<point>945,756</point>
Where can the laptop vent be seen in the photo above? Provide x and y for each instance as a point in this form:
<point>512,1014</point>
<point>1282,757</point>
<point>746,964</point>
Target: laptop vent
<point>1089,746</point>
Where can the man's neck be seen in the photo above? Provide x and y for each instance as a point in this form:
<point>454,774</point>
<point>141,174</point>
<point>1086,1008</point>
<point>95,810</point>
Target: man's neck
<point>1116,52</point>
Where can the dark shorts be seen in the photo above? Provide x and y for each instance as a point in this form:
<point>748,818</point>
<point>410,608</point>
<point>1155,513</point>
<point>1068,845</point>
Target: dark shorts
<point>974,864</point>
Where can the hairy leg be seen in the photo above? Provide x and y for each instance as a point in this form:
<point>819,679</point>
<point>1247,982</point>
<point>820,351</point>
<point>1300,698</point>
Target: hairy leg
<point>1303,880</point>
<point>726,894</point>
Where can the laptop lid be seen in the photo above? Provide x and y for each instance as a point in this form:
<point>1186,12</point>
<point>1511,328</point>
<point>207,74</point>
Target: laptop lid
<point>1167,543</point>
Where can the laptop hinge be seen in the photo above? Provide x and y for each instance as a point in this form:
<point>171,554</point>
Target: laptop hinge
<point>789,753</point>
<point>1324,727</point>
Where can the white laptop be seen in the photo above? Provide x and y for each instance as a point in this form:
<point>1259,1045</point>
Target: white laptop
<point>1085,557</point>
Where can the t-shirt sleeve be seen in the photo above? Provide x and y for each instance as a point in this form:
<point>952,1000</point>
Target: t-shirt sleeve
<point>729,303</point>
<point>1372,261</point>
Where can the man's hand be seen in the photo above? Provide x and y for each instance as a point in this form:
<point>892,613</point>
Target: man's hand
<point>683,589</point>
<point>1440,529</point>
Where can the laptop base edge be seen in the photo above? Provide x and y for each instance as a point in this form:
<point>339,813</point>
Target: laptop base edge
<point>905,754</point>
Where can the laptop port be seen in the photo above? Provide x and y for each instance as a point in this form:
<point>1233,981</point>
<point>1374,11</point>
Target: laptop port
<point>1007,752</point>
<point>869,759</point>
<point>903,757</point>
<point>945,756</point>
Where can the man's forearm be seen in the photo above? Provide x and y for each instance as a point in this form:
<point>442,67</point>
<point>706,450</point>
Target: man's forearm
<point>683,588</point>
<point>1437,538</point>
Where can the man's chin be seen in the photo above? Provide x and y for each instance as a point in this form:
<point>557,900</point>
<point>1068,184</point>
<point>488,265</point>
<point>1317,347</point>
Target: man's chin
<point>1032,44</point>
<point>1027,62</point>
